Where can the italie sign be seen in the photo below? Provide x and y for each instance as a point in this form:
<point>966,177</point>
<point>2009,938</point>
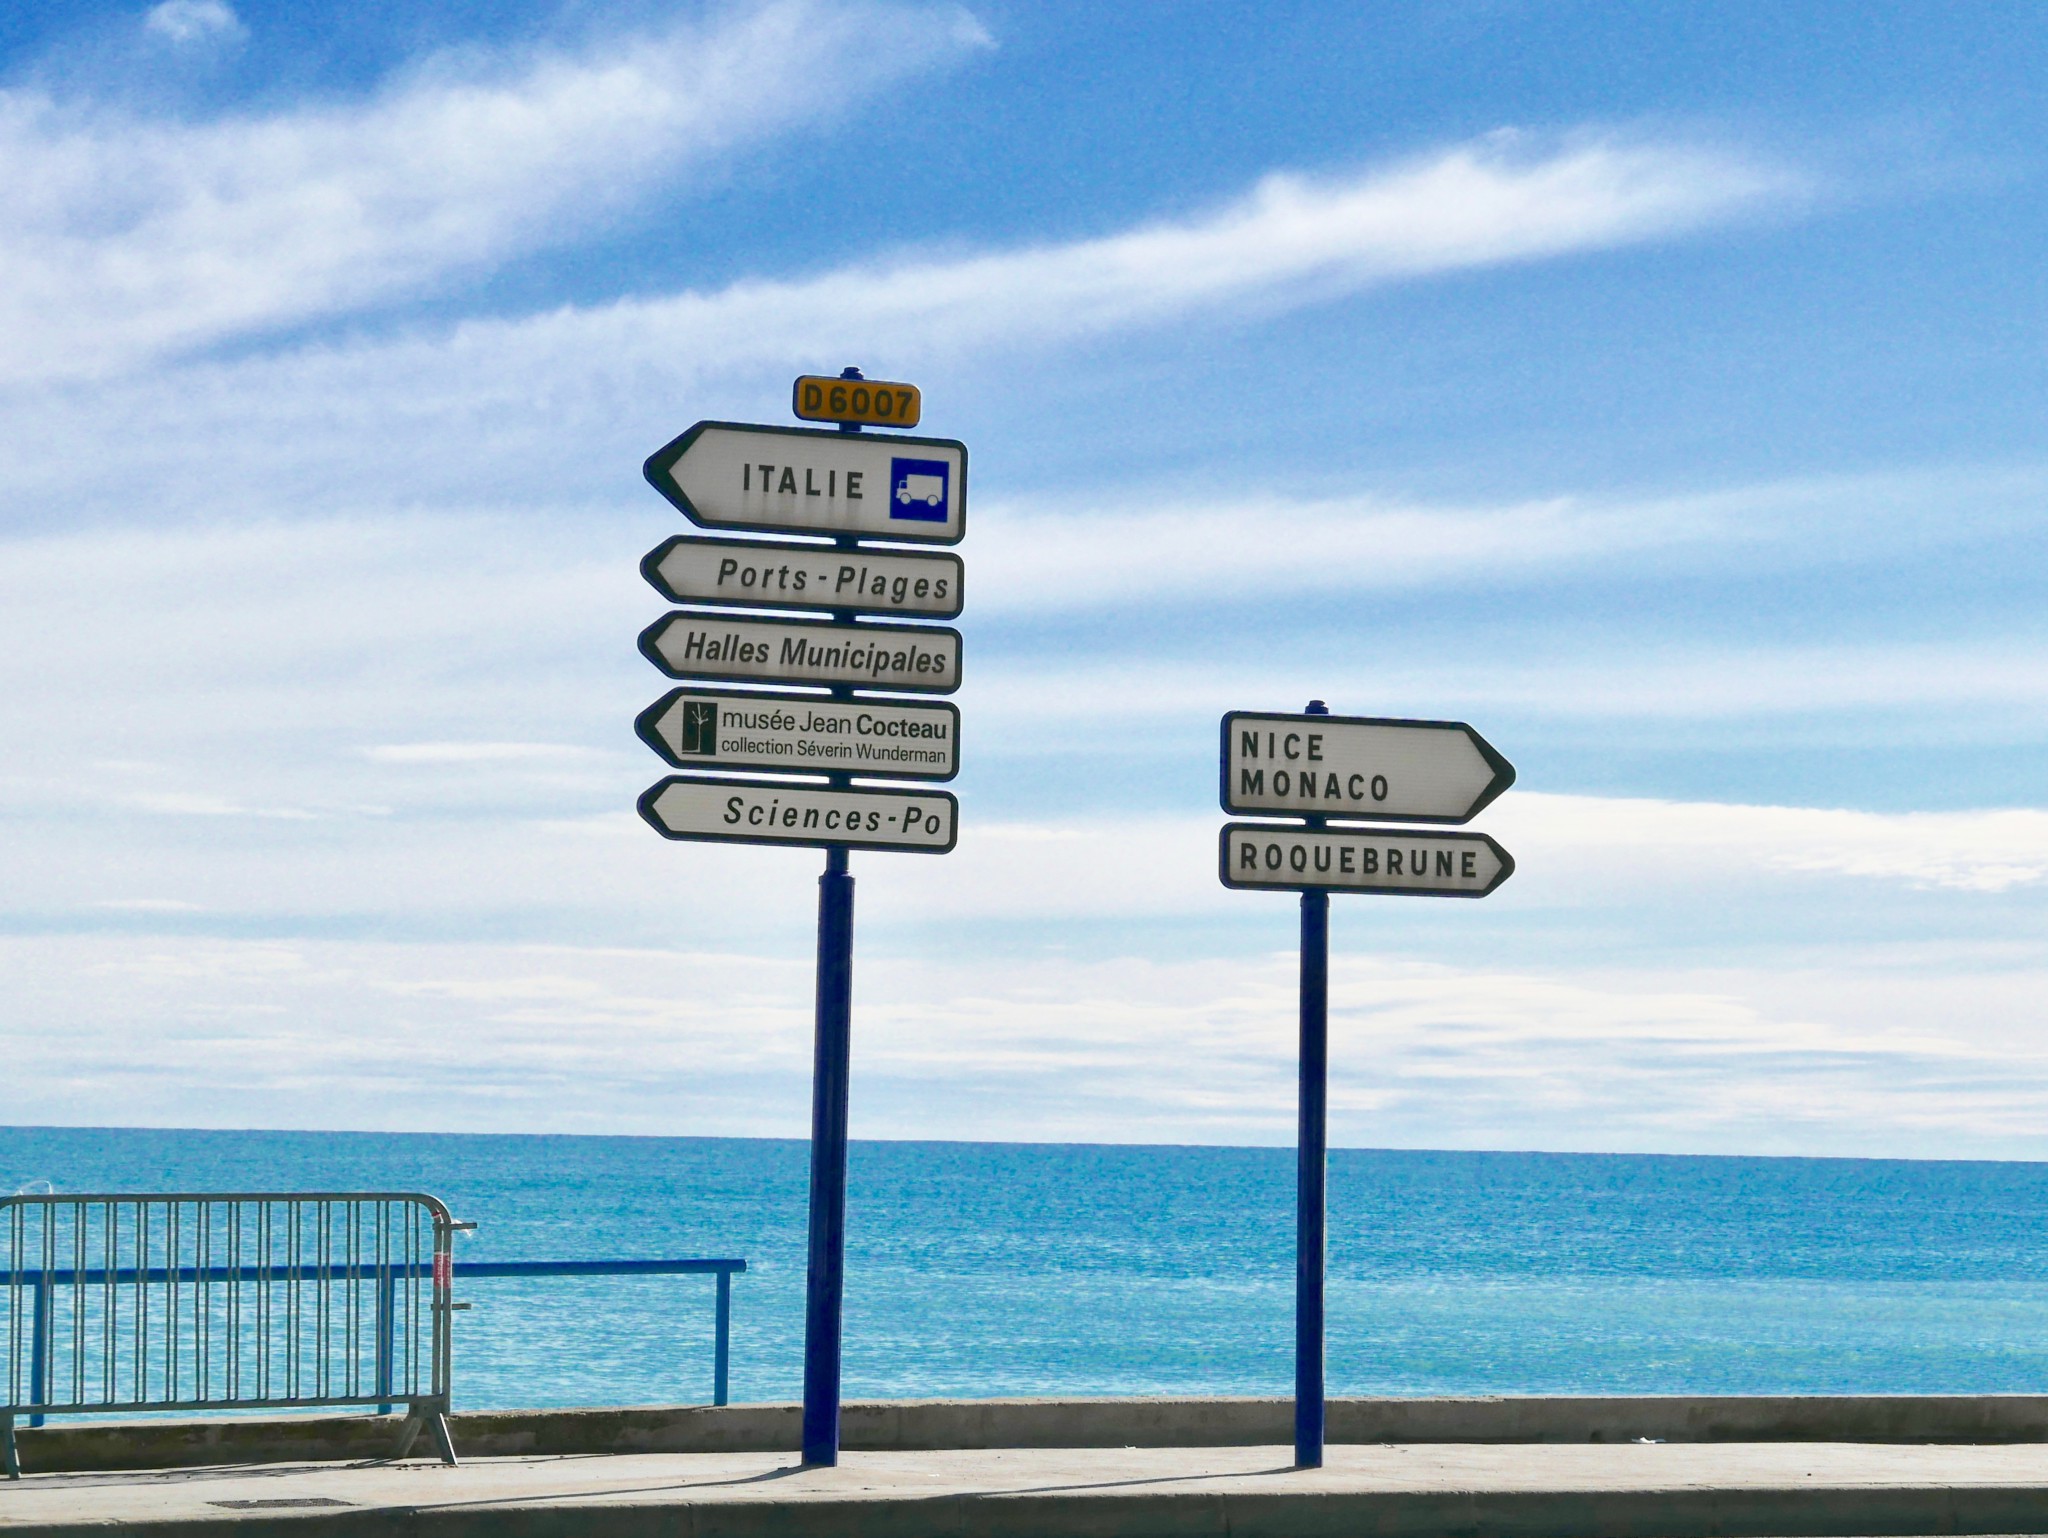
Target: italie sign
<point>777,480</point>
<point>736,729</point>
<point>922,659</point>
<point>760,574</point>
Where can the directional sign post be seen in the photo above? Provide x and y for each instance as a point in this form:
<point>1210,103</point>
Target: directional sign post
<point>787,480</point>
<point>732,811</point>
<point>732,729</point>
<point>1358,767</point>
<point>1384,861</point>
<point>923,659</point>
<point>1316,767</point>
<point>756,574</point>
<point>797,484</point>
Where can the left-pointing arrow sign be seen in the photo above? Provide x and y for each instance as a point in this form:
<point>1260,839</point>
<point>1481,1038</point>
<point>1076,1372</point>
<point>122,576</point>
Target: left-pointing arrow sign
<point>735,475</point>
<point>782,574</point>
<point>921,659</point>
<point>736,729</point>
<point>733,811</point>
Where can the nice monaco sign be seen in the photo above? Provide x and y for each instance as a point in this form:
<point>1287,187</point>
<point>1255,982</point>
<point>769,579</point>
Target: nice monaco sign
<point>1309,776</point>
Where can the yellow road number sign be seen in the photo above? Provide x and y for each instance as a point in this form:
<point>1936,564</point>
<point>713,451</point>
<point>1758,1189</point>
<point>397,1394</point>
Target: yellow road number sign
<point>870,402</point>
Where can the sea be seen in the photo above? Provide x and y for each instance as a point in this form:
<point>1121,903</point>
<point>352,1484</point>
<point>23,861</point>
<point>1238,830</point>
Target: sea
<point>993,1269</point>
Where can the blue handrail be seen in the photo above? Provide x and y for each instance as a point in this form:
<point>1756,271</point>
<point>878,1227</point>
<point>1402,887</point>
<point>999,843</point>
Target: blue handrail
<point>721,1348</point>
<point>387,1278</point>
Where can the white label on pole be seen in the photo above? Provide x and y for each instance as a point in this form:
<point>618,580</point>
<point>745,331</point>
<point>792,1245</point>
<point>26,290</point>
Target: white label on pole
<point>725,728</point>
<point>791,812</point>
<point>735,475</point>
<point>1378,860</point>
<point>1359,766</point>
<point>776,574</point>
<point>922,659</point>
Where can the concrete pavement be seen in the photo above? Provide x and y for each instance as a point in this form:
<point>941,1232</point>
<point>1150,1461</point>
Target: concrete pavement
<point>1628,1490</point>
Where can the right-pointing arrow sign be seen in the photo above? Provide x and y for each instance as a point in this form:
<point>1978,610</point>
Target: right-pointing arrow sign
<point>1359,767</point>
<point>1381,860</point>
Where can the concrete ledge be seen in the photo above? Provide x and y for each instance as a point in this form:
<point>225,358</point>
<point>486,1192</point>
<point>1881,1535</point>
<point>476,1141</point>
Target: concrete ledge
<point>937,1424</point>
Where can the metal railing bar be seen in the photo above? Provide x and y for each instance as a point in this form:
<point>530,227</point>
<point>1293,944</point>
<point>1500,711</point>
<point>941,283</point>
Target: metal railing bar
<point>596,1267</point>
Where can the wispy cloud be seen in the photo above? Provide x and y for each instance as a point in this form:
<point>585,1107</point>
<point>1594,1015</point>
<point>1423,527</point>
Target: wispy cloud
<point>1290,240</point>
<point>191,22</point>
<point>1683,680</point>
<point>123,239</point>
<point>491,406</point>
<point>1047,555</point>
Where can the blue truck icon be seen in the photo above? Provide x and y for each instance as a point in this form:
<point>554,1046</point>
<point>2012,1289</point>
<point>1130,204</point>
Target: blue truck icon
<point>920,489</point>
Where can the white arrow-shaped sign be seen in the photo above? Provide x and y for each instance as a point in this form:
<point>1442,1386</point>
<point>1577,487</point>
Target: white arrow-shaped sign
<point>782,574</point>
<point>1386,861</point>
<point>735,475</point>
<point>733,811</point>
<point>692,643</point>
<point>1358,767</point>
<point>698,728</point>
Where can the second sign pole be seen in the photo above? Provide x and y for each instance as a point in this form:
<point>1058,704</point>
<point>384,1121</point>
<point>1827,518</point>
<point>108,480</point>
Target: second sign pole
<point>1311,1172</point>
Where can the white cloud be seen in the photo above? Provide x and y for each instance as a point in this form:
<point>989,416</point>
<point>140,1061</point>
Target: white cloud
<point>122,238</point>
<point>1988,689</point>
<point>1291,240</point>
<point>185,22</point>
<point>1976,851</point>
<point>472,752</point>
<point>500,406</point>
<point>1049,555</point>
<point>203,1031</point>
<point>172,803</point>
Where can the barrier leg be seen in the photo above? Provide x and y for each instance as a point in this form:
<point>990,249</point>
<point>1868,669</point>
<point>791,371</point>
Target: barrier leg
<point>408,1433</point>
<point>444,1440</point>
<point>721,1350</point>
<point>10,1462</point>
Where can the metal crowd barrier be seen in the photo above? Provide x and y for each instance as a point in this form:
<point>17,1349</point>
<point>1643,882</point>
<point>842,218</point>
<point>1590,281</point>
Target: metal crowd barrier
<point>218,1301</point>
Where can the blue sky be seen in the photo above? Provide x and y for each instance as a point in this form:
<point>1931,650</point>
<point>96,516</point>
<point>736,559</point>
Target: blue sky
<point>1656,387</point>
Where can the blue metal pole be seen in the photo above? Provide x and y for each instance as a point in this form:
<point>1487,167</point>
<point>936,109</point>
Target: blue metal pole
<point>1311,1171</point>
<point>387,1286</point>
<point>721,1350</point>
<point>829,1085</point>
<point>831,1069</point>
<point>39,1344</point>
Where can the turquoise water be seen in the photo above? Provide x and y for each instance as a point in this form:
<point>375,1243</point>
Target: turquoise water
<point>995,1269</point>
